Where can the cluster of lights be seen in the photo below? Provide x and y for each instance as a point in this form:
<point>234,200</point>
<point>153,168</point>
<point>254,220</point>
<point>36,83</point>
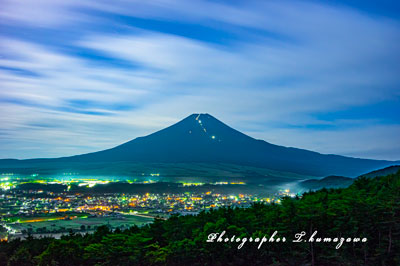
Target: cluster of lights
<point>93,183</point>
<point>5,184</point>
<point>192,184</point>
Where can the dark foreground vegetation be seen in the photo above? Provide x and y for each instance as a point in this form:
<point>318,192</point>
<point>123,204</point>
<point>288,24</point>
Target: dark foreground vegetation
<point>369,208</point>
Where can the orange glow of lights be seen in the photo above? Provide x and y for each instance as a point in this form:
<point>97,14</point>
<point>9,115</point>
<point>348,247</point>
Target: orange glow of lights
<point>197,198</point>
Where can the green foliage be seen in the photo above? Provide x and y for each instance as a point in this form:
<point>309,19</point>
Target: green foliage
<point>369,208</point>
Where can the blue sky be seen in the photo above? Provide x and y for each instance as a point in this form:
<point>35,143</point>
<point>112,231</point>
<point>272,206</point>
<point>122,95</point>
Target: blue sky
<point>81,76</point>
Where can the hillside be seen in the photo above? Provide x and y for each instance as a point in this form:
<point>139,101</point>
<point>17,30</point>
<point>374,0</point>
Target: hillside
<point>327,182</point>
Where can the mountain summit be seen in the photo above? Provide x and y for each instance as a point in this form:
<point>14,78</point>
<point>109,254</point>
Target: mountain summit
<point>197,138</point>
<point>201,138</point>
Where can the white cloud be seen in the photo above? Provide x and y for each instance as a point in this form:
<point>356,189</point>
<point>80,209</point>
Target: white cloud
<point>325,59</point>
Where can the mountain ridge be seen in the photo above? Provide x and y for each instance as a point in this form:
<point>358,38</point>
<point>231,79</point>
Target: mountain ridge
<point>201,138</point>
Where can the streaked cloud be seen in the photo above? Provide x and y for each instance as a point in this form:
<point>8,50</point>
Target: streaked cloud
<point>79,76</point>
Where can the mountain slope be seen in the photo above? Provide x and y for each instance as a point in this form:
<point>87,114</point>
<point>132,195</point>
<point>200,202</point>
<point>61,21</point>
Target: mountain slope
<point>382,172</point>
<point>201,138</point>
<point>342,182</point>
<point>327,182</point>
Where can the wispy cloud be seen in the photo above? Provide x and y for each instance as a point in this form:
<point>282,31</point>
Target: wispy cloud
<point>81,76</point>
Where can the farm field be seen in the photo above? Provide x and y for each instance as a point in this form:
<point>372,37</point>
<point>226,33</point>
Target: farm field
<point>55,225</point>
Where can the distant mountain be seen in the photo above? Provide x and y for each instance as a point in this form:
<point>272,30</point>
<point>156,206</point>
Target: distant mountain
<point>201,138</point>
<point>342,182</point>
<point>327,182</point>
<point>383,172</point>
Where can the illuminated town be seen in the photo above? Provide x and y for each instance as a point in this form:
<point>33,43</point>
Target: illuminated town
<point>43,207</point>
